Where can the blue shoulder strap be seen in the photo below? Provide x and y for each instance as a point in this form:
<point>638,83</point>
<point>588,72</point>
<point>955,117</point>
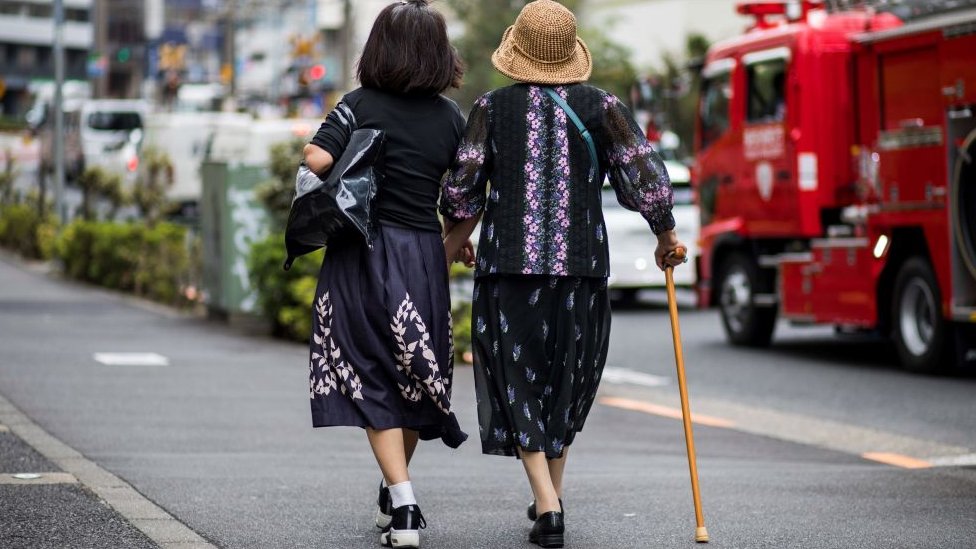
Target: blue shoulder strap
<point>594,162</point>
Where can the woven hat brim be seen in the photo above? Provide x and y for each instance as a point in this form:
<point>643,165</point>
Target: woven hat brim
<point>511,62</point>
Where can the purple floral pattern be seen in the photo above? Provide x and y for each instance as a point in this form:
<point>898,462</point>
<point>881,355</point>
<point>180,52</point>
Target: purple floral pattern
<point>534,217</point>
<point>547,180</point>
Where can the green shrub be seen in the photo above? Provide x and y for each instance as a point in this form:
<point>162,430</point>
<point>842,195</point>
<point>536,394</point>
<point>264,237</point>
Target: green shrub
<point>26,232</point>
<point>149,262</point>
<point>285,297</point>
<point>461,315</point>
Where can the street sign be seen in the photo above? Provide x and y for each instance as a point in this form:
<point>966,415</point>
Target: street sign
<point>97,65</point>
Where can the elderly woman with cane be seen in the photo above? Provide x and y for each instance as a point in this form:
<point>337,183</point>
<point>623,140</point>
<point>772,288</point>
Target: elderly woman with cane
<point>532,162</point>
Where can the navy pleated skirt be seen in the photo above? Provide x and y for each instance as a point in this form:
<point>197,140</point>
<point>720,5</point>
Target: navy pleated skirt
<point>381,350</point>
<point>540,344</point>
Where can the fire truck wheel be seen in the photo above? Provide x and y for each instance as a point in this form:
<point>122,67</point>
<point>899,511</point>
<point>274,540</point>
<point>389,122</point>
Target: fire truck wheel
<point>745,323</point>
<point>922,335</point>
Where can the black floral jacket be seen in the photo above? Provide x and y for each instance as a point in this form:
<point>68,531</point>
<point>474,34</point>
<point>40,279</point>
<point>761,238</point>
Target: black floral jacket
<point>542,210</point>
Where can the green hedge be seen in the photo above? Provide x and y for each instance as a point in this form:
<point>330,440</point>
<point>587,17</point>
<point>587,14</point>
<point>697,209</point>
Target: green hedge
<point>286,297</point>
<point>150,262</point>
<point>26,232</point>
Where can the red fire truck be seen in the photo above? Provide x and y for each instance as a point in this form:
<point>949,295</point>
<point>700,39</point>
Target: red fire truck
<point>836,174</point>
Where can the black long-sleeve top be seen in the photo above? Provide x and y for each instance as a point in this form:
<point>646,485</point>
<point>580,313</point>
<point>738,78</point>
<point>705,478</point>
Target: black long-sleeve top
<point>542,210</point>
<point>422,135</point>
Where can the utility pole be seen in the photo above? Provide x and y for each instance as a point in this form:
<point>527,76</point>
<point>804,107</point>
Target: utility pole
<point>59,110</point>
<point>100,11</point>
<point>228,69</point>
<point>348,34</point>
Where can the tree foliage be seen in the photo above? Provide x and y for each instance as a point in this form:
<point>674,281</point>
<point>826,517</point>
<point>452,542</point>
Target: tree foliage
<point>156,176</point>
<point>95,182</point>
<point>7,178</point>
<point>677,90</point>
<point>277,192</point>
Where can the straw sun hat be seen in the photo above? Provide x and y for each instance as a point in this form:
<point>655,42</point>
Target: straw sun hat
<point>542,47</point>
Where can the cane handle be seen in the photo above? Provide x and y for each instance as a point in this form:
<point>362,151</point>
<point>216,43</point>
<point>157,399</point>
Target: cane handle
<point>679,253</point>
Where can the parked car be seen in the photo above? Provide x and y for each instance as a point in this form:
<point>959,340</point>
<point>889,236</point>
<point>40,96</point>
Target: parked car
<point>112,132</point>
<point>632,244</point>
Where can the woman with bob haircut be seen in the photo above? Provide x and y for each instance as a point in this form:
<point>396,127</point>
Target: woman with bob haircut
<point>382,354</point>
<point>541,315</point>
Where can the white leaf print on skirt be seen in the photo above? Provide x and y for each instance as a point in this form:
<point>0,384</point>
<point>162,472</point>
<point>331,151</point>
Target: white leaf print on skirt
<point>420,377</point>
<point>327,370</point>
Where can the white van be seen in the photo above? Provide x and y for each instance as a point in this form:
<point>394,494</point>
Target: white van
<point>111,133</point>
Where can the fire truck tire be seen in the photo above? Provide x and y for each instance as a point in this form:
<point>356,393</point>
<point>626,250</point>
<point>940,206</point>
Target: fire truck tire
<point>964,198</point>
<point>745,323</point>
<point>923,337</point>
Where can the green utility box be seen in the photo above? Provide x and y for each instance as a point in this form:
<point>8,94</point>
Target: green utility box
<point>231,220</point>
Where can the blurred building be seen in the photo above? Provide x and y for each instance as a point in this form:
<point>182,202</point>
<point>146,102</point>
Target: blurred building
<point>651,28</point>
<point>117,66</point>
<point>26,52</point>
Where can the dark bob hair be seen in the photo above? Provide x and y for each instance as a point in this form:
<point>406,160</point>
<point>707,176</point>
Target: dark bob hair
<point>408,52</point>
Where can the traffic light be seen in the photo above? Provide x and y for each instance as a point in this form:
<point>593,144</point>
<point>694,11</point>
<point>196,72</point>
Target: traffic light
<point>316,72</point>
<point>123,55</point>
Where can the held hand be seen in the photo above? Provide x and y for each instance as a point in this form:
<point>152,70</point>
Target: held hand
<point>670,251</point>
<point>457,251</point>
<point>466,255</point>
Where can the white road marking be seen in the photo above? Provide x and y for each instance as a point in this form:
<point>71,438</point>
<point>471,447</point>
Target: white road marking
<point>623,375</point>
<point>132,359</point>
<point>953,461</point>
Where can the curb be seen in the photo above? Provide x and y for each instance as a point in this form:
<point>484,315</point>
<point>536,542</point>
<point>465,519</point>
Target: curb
<point>150,519</point>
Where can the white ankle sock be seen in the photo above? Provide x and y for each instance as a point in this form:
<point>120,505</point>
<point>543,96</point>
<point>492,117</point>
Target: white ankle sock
<point>402,494</point>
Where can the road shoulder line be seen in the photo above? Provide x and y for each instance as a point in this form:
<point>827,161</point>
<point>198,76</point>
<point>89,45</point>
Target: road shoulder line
<point>158,525</point>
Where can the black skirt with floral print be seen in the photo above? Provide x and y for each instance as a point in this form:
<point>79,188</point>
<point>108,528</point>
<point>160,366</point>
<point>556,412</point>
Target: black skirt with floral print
<point>381,350</point>
<point>540,344</point>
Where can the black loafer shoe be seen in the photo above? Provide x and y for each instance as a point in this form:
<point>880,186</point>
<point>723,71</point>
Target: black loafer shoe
<point>384,507</point>
<point>404,528</point>
<point>548,530</point>
<point>533,515</point>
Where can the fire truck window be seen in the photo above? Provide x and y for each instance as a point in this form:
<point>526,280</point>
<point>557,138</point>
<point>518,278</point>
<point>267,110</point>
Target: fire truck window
<point>716,93</point>
<point>767,91</point>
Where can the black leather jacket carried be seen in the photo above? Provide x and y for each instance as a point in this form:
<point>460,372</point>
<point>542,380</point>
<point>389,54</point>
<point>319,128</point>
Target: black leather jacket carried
<point>525,164</point>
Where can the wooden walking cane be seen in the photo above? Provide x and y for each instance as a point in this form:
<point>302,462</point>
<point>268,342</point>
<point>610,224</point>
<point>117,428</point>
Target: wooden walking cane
<point>701,533</point>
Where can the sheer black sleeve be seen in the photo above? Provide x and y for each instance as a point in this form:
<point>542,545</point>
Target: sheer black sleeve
<point>636,171</point>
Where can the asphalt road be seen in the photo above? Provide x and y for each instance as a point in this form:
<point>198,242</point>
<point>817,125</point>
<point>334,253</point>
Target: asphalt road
<point>221,438</point>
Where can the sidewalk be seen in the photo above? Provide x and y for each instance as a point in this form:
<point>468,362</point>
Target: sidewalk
<point>44,507</point>
<point>219,438</point>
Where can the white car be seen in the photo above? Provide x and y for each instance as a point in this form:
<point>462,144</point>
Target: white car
<point>632,244</point>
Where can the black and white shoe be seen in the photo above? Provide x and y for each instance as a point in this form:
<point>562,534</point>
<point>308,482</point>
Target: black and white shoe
<point>548,530</point>
<point>533,515</point>
<point>384,507</point>
<point>404,529</point>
